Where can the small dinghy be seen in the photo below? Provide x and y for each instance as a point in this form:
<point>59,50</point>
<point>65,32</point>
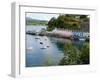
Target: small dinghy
<point>30,48</point>
<point>82,39</point>
<point>48,46</point>
<point>37,38</point>
<point>43,47</point>
<point>41,42</point>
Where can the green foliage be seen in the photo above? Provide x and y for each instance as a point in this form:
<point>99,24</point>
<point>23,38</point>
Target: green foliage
<point>67,21</point>
<point>36,22</point>
<point>50,29</point>
<point>64,21</point>
<point>84,18</point>
<point>73,55</point>
<point>85,53</point>
<point>48,62</point>
<point>51,24</point>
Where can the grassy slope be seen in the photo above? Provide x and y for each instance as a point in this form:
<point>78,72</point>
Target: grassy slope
<point>36,22</point>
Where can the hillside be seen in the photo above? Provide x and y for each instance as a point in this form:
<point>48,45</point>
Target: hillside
<point>30,21</point>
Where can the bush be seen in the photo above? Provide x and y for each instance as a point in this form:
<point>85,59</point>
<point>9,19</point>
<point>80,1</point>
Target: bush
<point>71,55</point>
<point>85,53</point>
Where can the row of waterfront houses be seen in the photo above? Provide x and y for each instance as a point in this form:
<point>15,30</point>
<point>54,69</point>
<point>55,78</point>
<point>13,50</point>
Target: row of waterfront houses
<point>70,33</point>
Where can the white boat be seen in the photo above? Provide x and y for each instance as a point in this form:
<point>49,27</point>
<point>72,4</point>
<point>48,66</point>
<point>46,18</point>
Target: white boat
<point>82,39</point>
<point>43,47</point>
<point>29,48</point>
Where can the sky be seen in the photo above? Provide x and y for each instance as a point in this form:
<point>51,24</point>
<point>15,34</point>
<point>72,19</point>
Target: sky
<point>41,16</point>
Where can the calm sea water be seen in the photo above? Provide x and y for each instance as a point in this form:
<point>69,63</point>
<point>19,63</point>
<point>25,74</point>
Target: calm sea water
<point>44,51</point>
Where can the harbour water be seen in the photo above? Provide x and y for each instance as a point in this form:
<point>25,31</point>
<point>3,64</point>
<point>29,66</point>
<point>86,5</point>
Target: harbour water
<point>44,50</point>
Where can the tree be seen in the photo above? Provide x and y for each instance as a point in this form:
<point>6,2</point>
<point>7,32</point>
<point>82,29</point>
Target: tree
<point>84,18</point>
<point>64,21</point>
<point>51,24</point>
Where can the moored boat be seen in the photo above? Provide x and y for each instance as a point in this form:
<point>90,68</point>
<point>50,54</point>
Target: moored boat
<point>82,39</point>
<point>43,47</point>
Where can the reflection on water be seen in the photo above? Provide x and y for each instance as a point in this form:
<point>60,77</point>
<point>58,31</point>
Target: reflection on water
<point>45,51</point>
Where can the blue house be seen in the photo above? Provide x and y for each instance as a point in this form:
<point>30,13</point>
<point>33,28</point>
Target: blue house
<point>80,34</point>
